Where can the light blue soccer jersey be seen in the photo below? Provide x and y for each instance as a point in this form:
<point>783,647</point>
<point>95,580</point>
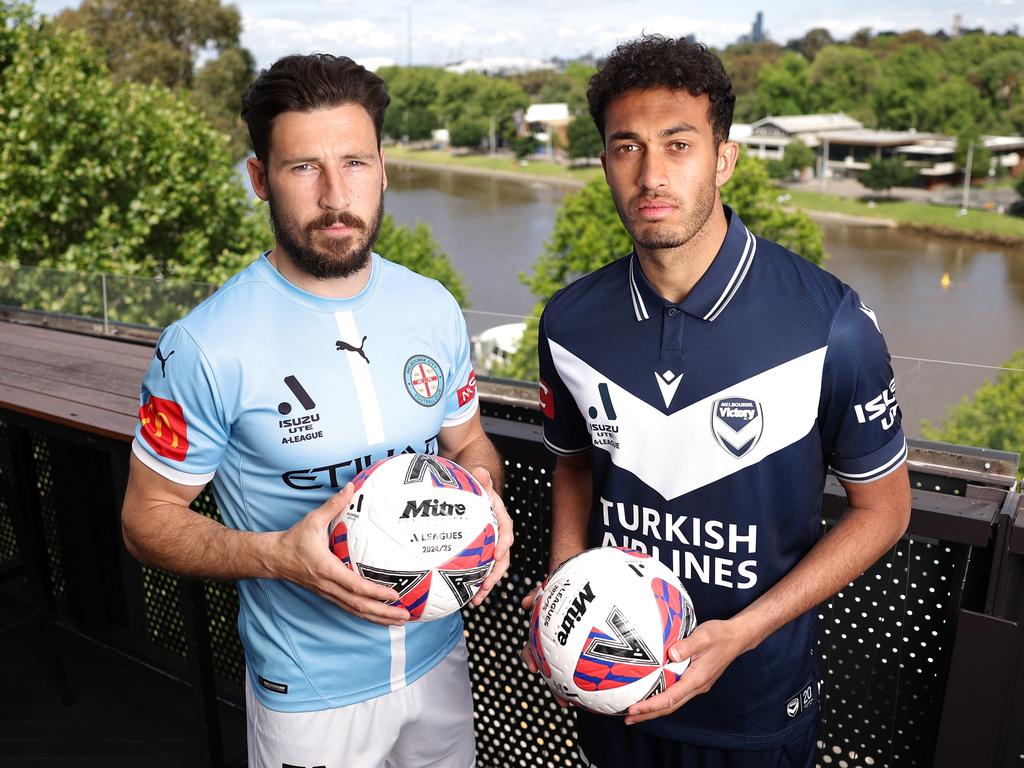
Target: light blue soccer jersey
<point>280,397</point>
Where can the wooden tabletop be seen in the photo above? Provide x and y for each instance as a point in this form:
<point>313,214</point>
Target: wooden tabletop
<point>80,381</point>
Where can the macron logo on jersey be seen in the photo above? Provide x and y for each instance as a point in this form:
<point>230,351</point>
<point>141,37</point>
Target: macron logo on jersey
<point>871,315</point>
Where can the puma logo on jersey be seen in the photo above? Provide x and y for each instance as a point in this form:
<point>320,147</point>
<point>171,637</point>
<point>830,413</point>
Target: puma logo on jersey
<point>163,362</point>
<point>344,346</point>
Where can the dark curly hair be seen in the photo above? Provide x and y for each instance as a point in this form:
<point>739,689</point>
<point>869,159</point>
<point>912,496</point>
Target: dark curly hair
<point>654,61</point>
<point>306,83</point>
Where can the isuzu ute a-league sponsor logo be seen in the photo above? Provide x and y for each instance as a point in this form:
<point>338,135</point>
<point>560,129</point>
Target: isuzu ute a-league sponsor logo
<point>603,429</point>
<point>737,423</point>
<point>883,406</point>
<point>300,427</point>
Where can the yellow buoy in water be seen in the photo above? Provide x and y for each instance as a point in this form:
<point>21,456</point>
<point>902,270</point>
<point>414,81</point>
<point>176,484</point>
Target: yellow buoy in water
<point>945,282</point>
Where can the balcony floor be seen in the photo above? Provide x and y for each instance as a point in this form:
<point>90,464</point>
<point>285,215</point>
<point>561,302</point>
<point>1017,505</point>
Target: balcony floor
<point>123,713</point>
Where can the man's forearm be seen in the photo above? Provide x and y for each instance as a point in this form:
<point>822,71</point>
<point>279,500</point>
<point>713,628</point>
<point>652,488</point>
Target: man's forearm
<point>571,494</point>
<point>481,452</point>
<point>858,539</point>
<point>176,539</point>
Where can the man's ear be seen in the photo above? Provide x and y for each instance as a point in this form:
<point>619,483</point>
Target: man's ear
<point>257,177</point>
<point>728,154</point>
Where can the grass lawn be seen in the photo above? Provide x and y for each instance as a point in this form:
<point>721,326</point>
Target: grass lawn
<point>495,163</point>
<point>912,213</point>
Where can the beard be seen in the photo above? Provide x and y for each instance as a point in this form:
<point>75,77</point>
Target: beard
<point>340,257</point>
<point>664,235</point>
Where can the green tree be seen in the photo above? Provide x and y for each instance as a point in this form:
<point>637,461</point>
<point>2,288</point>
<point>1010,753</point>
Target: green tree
<point>905,76</point>
<point>416,248</point>
<point>584,140</point>
<point>413,112</point>
<point>783,89</point>
<point>524,146</point>
<point>798,156</point>
<point>843,78</point>
<point>813,41</point>
<point>149,42</point>
<point>952,104</point>
<point>97,175</point>
<point>993,417</point>
<point>477,99</point>
<point>886,173</point>
<point>467,131</point>
<point>589,234</point>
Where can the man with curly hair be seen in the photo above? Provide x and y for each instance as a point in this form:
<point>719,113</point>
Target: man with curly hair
<point>695,393</point>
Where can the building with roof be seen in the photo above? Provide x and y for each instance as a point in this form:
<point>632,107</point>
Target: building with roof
<point>844,147</point>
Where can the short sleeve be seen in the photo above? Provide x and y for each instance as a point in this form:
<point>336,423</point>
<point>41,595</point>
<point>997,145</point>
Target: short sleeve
<point>181,432</point>
<point>859,414</point>
<point>565,431</point>
<point>460,398</point>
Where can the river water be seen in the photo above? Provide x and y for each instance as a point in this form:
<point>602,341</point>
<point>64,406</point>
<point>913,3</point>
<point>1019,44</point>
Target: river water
<point>938,330</point>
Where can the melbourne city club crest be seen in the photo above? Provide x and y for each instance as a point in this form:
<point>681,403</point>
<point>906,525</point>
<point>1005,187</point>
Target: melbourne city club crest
<point>423,380</point>
<point>737,424</point>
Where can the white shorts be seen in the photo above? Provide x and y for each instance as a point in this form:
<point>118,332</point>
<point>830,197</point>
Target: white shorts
<point>428,724</point>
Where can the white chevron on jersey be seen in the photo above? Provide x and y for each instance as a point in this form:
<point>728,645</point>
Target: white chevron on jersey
<point>687,455</point>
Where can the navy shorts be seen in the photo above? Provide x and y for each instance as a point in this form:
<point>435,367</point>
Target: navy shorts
<point>606,742</point>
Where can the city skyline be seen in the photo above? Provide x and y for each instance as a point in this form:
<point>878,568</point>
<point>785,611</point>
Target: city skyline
<point>450,31</point>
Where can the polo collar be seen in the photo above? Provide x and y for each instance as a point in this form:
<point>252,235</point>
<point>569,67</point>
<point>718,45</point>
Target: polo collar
<point>716,287</point>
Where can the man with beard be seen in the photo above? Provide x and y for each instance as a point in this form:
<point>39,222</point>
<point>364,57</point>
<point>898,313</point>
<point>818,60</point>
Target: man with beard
<point>695,392</point>
<point>300,371</point>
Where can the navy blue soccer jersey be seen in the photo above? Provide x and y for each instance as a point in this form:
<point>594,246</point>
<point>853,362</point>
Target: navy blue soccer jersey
<point>712,424</point>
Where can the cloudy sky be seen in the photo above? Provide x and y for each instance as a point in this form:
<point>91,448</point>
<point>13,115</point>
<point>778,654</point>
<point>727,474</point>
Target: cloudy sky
<point>447,31</point>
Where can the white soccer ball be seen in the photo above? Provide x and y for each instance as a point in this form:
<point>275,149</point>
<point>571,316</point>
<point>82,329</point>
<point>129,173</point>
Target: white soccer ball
<point>421,525</point>
<point>602,626</point>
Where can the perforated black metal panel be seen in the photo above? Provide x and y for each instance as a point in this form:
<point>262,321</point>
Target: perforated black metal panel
<point>44,486</point>
<point>8,541</point>
<point>883,645</point>
<point>517,722</point>
<point>165,623</point>
<point>222,610</point>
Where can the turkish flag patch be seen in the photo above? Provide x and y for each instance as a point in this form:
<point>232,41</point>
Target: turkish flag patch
<point>468,392</point>
<point>547,400</point>
<point>164,428</point>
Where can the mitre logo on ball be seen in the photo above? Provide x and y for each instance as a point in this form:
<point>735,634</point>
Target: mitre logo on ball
<point>602,626</point>
<point>421,525</point>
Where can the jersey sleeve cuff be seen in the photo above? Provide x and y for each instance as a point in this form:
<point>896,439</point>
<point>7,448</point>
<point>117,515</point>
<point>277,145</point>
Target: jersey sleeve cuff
<point>874,466</point>
<point>170,473</point>
<point>461,417</point>
<point>560,451</point>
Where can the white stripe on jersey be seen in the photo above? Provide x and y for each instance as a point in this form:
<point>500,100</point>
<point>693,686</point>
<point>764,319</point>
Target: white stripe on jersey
<point>369,408</point>
<point>397,635</point>
<point>686,456</point>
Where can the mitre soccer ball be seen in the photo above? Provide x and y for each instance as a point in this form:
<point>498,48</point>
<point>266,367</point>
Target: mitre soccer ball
<point>602,626</point>
<point>421,525</point>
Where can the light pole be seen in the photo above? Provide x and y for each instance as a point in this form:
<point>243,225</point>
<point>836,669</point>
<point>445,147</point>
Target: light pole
<point>967,178</point>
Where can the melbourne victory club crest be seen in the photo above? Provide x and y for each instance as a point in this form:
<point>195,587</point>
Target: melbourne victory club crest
<point>423,380</point>
<point>737,423</point>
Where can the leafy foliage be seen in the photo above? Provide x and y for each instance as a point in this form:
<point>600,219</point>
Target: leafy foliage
<point>112,177</point>
<point>993,417</point>
<point>148,42</point>
<point>417,249</point>
<point>584,140</point>
<point>886,173</point>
